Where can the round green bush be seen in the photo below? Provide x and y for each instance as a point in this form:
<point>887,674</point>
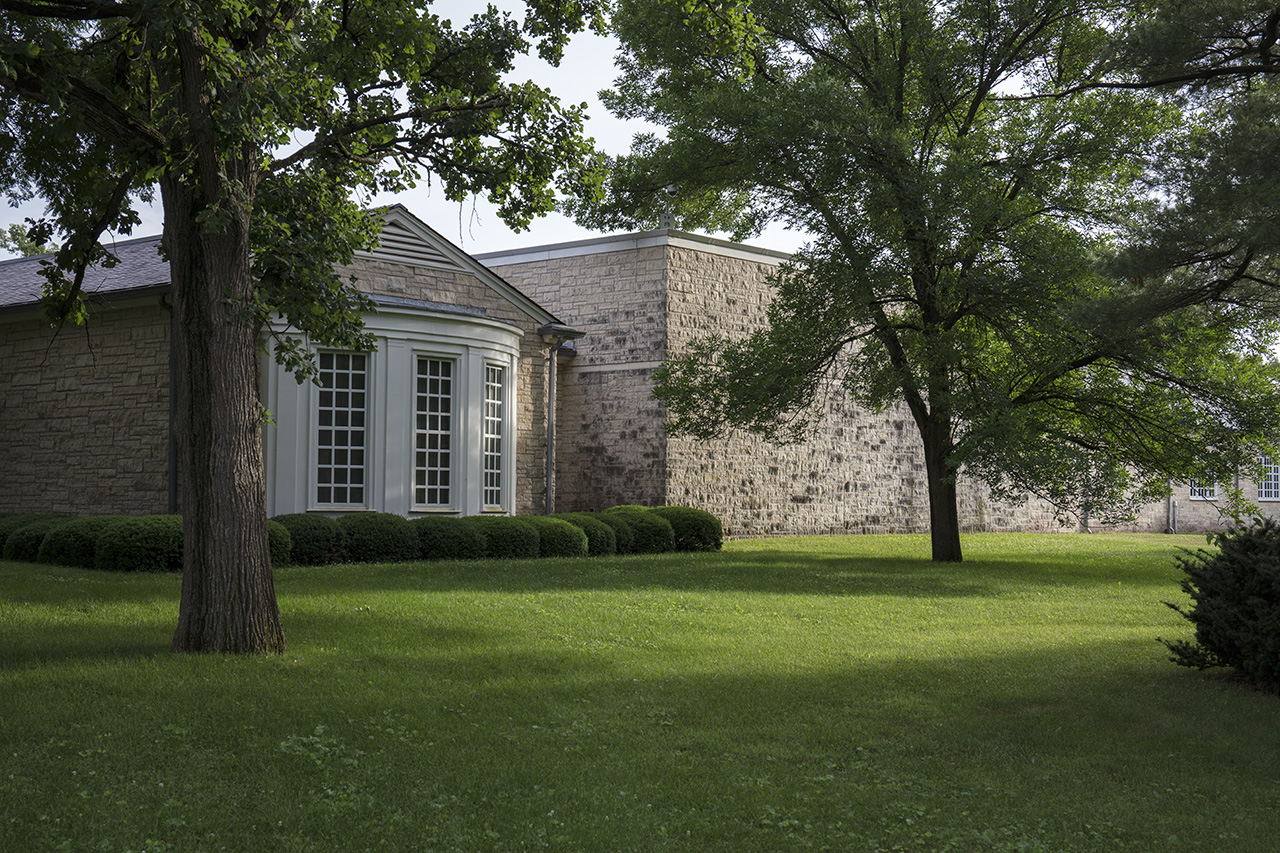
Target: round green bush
<point>695,529</point>
<point>624,534</point>
<point>378,537</point>
<point>23,544</point>
<point>505,537</point>
<point>448,538</point>
<point>557,537</point>
<point>10,523</point>
<point>601,539</point>
<point>74,543</point>
<point>317,539</point>
<point>141,543</point>
<point>654,534</point>
<point>1235,595</point>
<point>280,542</point>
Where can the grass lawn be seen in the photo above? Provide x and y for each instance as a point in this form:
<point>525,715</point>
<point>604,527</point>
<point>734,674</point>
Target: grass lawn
<point>786,694</point>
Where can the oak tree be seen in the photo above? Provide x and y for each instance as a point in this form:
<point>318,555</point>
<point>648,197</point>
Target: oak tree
<point>261,125</point>
<point>967,254</point>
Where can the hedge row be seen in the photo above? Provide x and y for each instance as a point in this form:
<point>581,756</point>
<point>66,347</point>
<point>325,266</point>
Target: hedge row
<point>154,543</point>
<point>386,538</point>
<point>114,543</point>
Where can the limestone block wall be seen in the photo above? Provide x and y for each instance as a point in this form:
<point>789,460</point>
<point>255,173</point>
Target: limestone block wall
<point>610,446</point>
<point>85,414</point>
<point>860,472</point>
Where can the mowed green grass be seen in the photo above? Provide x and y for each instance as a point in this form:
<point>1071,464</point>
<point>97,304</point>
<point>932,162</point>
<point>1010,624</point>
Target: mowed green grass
<point>786,694</point>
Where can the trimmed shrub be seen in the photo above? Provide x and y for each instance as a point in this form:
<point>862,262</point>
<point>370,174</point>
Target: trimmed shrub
<point>601,539</point>
<point>23,544</point>
<point>654,534</point>
<point>505,537</point>
<point>378,537</point>
<point>10,523</point>
<point>557,537</point>
<point>280,542</point>
<point>624,534</point>
<point>695,529</point>
<point>317,539</point>
<point>1236,604</point>
<point>74,543</point>
<point>141,543</point>
<point>448,538</point>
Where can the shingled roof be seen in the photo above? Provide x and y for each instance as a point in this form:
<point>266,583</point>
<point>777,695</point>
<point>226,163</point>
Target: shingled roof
<point>140,267</point>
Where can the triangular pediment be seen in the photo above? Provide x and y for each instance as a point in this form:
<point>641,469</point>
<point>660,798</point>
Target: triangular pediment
<point>406,239</point>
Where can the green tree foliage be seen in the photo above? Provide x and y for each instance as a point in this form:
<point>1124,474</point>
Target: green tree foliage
<point>967,259</point>
<point>15,239</point>
<point>262,126</point>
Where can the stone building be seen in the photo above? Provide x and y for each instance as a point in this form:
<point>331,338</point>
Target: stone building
<point>448,414</point>
<point>451,412</point>
<point>639,298</point>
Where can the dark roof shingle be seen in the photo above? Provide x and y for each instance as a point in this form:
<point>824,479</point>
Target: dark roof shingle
<point>140,266</point>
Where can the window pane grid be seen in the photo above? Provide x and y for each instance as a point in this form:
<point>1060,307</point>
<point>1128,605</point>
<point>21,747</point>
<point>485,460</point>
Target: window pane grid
<point>1269,485</point>
<point>340,435</point>
<point>433,434</point>
<point>494,379</point>
<point>1201,491</point>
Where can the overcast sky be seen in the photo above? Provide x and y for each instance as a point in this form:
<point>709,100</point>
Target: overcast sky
<point>473,225</point>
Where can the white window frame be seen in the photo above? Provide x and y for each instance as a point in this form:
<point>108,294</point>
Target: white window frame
<point>494,452</point>
<point>1269,485</point>
<point>366,449</point>
<point>1201,491</point>
<point>456,450</point>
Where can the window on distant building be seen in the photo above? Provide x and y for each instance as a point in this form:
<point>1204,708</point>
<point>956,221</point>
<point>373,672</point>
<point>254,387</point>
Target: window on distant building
<point>1269,485</point>
<point>340,429</point>
<point>1201,491</point>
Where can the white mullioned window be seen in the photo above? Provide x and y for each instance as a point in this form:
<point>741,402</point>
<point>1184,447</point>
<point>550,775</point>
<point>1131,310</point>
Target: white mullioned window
<point>492,436</point>
<point>1202,491</point>
<point>433,433</point>
<point>1269,485</point>
<point>341,413</point>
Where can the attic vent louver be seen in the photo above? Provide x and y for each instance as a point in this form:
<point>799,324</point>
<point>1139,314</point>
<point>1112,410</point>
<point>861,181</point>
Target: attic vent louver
<point>399,245</point>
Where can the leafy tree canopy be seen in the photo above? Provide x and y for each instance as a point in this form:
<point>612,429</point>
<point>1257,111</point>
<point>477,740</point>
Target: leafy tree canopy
<point>1005,266</point>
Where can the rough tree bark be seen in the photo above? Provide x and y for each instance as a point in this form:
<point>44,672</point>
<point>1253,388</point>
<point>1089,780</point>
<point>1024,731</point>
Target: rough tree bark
<point>228,595</point>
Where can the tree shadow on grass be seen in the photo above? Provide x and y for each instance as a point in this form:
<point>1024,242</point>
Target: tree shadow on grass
<point>1049,748</point>
<point>777,571</point>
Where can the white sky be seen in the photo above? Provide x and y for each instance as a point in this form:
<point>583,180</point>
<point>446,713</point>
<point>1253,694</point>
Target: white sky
<point>474,225</point>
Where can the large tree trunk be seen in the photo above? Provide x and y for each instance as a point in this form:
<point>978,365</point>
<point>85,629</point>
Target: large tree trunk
<point>228,596</point>
<point>944,518</point>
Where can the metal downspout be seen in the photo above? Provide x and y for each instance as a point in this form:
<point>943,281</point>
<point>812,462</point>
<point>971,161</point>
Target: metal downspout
<point>554,334</point>
<point>551,426</point>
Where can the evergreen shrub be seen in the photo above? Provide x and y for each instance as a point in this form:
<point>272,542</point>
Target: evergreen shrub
<point>654,534</point>
<point>624,534</point>
<point>16,521</point>
<point>695,529</point>
<point>280,543</point>
<point>141,543</point>
<point>557,537</point>
<point>75,543</point>
<point>378,537</point>
<point>602,541</point>
<point>317,539</point>
<point>1235,595</point>
<point>506,538</point>
<point>448,538</point>
<point>23,544</point>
